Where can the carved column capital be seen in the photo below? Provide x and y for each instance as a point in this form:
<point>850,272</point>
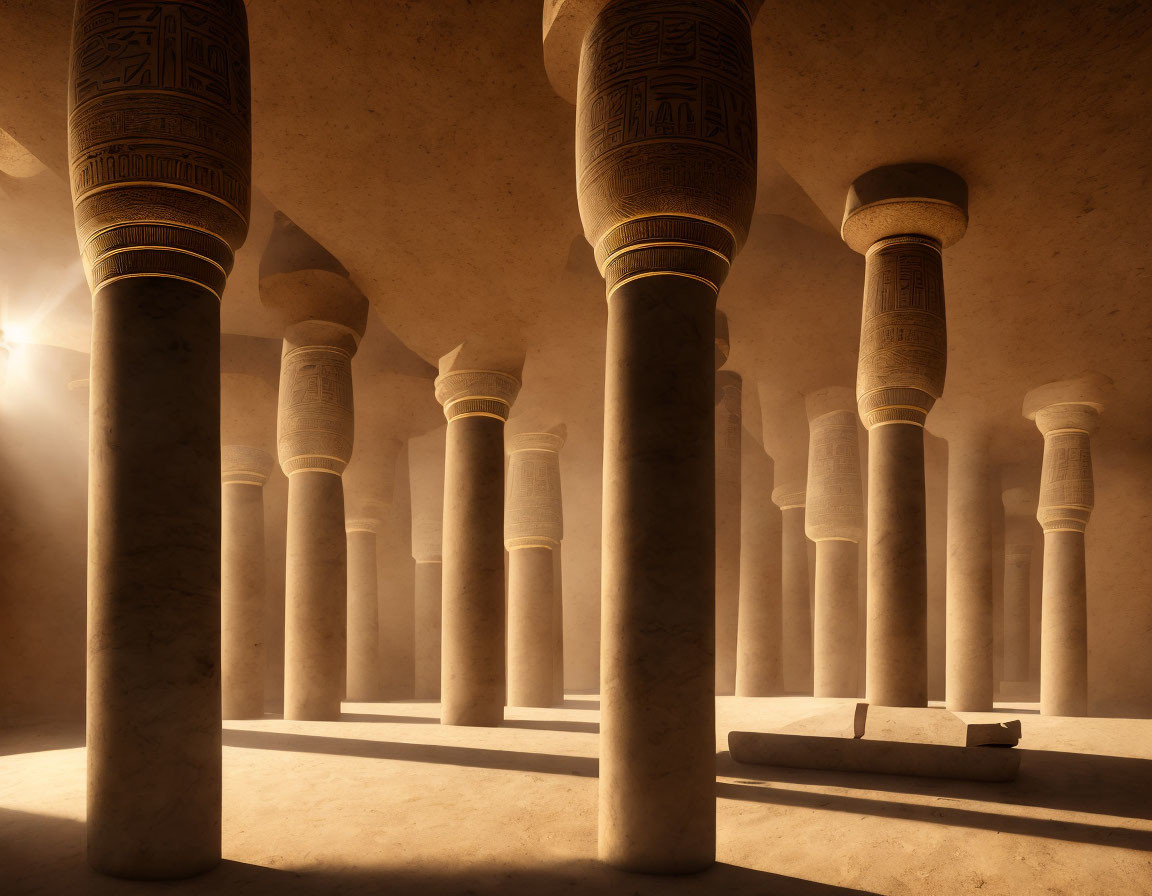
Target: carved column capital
<point>244,464</point>
<point>835,496</point>
<point>476,393</point>
<point>666,138</point>
<point>790,495</point>
<point>159,139</point>
<point>534,511</point>
<point>900,217</point>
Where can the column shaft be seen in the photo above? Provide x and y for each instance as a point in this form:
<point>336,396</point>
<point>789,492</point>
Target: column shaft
<point>897,667</point>
<point>429,578</point>
<point>835,629</point>
<point>364,680</point>
<point>759,633</point>
<point>1064,626</point>
<point>472,683</point>
<point>531,621</point>
<point>558,626</point>
<point>1017,611</point>
<point>971,507</point>
<point>242,600</point>
<point>657,765</point>
<point>728,437</point>
<point>315,633</point>
<point>153,713</point>
<point>796,603</point>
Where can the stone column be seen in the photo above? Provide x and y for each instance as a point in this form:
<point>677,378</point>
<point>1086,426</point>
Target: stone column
<point>900,217</point>
<point>363,636</point>
<point>426,463</point>
<point>476,404</point>
<point>244,470</point>
<point>971,550</point>
<point>666,184</point>
<point>557,625</point>
<point>314,435</point>
<point>795,591</point>
<point>834,520</point>
<point>1066,413</point>
<point>728,430</point>
<point>1019,523</point>
<point>758,636</point>
<point>533,529</point>
<point>160,158</point>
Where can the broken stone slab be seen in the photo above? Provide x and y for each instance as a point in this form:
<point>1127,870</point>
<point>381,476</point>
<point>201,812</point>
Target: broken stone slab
<point>923,760</point>
<point>847,720</point>
<point>931,725</point>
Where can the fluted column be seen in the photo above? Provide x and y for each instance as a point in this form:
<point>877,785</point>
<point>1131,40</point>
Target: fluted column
<point>834,520</point>
<point>160,159</point>
<point>533,530</point>
<point>314,436</point>
<point>1019,525</point>
<point>900,218</point>
<point>972,507</point>
<point>1066,415</point>
<point>244,470</point>
<point>364,679</point>
<point>795,590</point>
<point>759,633</point>
<point>666,184</point>
<point>476,405</point>
<point>729,424</point>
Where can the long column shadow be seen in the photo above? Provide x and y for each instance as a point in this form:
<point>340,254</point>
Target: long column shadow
<point>529,724</point>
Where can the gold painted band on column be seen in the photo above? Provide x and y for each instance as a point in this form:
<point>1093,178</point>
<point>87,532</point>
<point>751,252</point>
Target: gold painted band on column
<point>476,393</point>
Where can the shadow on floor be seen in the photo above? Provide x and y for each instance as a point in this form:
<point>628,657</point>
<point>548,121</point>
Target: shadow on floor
<point>530,724</point>
<point>397,720</point>
<point>41,738</point>
<point>474,757</point>
<point>45,854</point>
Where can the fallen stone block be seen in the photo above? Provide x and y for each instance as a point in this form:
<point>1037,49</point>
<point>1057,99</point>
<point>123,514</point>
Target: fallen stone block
<point>931,725</point>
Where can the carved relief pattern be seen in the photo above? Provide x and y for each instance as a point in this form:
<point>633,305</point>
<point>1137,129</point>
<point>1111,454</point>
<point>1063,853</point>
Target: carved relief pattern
<point>1067,494</point>
<point>903,337</point>
<point>533,512</point>
<point>244,464</point>
<point>835,505</point>
<point>160,138</point>
<point>477,393</point>
<point>315,424</point>
<point>789,495</point>
<point>666,137</point>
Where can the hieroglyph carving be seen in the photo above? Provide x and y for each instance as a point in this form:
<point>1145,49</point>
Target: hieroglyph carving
<point>476,393</point>
<point>533,512</point>
<point>666,138</point>
<point>903,338</point>
<point>244,465</point>
<point>160,142</point>
<point>835,496</point>
<point>315,424</point>
<point>1067,494</point>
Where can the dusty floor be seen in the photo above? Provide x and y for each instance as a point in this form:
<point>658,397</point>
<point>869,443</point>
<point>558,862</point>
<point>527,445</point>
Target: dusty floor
<point>388,801</point>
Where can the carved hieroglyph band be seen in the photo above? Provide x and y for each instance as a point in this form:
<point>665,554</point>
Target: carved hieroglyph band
<point>476,393</point>
<point>835,496</point>
<point>314,423</point>
<point>1067,493</point>
<point>534,508</point>
<point>666,138</point>
<point>244,465</point>
<point>790,495</point>
<point>903,336</point>
<point>160,144</point>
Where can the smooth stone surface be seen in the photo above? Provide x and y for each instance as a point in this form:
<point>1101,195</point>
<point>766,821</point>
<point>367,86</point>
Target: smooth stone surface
<point>242,601</point>
<point>897,634</point>
<point>728,518</point>
<point>558,626</point>
<point>429,580</point>
<point>153,711</point>
<point>934,725</point>
<point>846,720</point>
<point>835,628</point>
<point>796,604</point>
<point>363,676</point>
<point>1064,627</point>
<point>531,617</point>
<point>657,809</point>
<point>759,646</point>
<point>315,597</point>
<point>472,678</point>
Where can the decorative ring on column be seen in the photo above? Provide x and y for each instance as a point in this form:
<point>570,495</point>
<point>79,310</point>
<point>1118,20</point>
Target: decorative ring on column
<point>476,393</point>
<point>533,511</point>
<point>790,495</point>
<point>364,525</point>
<point>835,497</point>
<point>315,424</point>
<point>160,139</point>
<point>244,465</point>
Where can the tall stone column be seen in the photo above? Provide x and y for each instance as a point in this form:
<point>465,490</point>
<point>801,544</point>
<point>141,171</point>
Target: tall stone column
<point>795,590</point>
<point>533,530</point>
<point>972,507</point>
<point>900,218</point>
<point>729,425</point>
<point>314,435</point>
<point>364,680</point>
<point>1066,413</point>
<point>160,159</point>
<point>476,404</point>
<point>426,459</point>
<point>834,520</point>
<point>1019,524</point>
<point>244,470</point>
<point>558,625</point>
<point>759,633</point>
<point>666,184</point>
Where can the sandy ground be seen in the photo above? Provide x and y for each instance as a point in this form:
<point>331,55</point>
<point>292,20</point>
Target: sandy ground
<point>387,801</point>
